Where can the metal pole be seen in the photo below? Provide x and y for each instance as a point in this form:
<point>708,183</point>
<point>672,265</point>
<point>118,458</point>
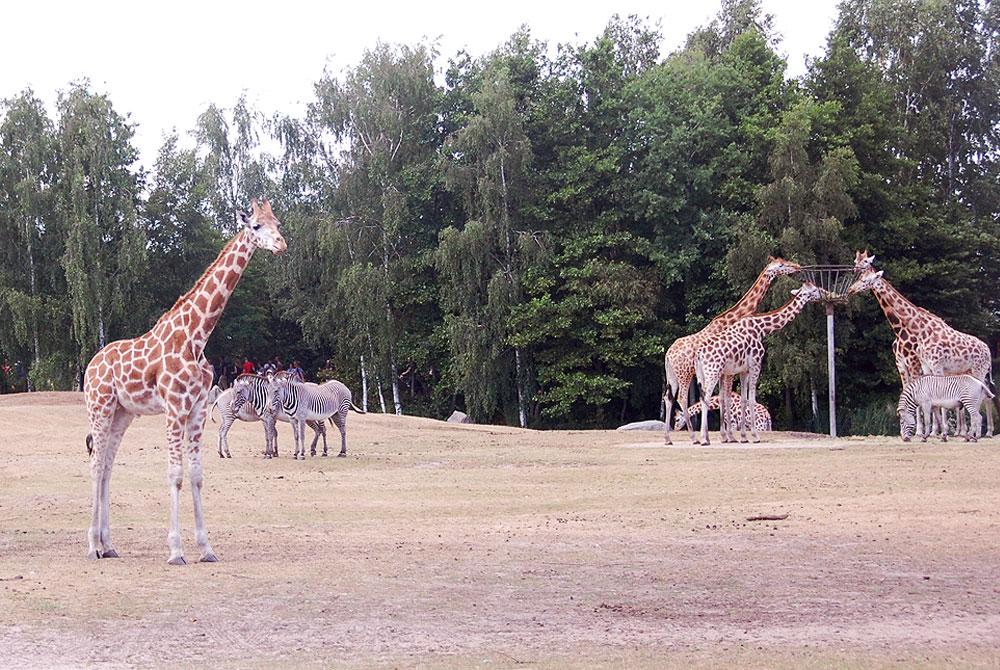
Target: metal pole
<point>831,372</point>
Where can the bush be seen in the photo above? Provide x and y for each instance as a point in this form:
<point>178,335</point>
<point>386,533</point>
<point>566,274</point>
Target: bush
<point>878,417</point>
<point>52,373</point>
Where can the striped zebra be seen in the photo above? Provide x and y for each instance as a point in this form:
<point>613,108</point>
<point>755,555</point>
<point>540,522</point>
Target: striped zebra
<point>305,401</point>
<point>958,392</point>
<point>761,417</point>
<point>248,400</point>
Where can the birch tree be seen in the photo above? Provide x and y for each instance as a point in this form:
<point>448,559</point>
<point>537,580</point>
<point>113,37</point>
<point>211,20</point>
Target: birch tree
<point>105,246</point>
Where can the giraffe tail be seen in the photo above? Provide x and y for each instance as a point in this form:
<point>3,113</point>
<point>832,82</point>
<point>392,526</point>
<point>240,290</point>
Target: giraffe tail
<point>90,444</point>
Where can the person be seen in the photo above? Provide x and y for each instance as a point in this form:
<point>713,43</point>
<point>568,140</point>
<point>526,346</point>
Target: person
<point>22,376</point>
<point>278,365</point>
<point>297,370</point>
<point>247,367</point>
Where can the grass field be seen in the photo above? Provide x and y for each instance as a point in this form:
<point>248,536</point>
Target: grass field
<point>438,545</point>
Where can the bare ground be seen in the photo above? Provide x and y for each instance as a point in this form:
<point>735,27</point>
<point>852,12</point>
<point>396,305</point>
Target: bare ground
<point>436,545</point>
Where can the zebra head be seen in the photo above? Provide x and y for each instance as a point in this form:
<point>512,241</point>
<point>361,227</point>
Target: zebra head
<point>277,391</point>
<point>907,420</point>
<point>241,395</point>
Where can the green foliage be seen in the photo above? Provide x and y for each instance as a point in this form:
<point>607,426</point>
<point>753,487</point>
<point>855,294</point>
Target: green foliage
<point>53,373</point>
<point>525,240</point>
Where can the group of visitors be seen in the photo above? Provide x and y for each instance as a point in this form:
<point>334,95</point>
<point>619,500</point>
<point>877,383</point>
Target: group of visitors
<point>224,372</point>
<point>14,377</point>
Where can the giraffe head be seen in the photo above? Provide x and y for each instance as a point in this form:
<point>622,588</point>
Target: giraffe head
<point>810,292</point>
<point>863,262</point>
<point>868,280</point>
<point>779,266</point>
<point>264,227</point>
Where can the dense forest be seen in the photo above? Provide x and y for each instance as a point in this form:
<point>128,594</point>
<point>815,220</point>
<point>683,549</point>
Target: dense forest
<point>521,235</point>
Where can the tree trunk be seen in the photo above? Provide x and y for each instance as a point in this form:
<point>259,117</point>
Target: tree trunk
<point>788,408</point>
<point>30,234</point>
<point>364,385</point>
<point>814,397</point>
<point>522,409</point>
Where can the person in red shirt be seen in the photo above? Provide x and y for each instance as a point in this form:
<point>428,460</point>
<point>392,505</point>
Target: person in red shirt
<point>247,367</point>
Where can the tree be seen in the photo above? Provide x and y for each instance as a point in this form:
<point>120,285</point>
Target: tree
<point>105,247</point>
<point>385,110</point>
<point>30,291</point>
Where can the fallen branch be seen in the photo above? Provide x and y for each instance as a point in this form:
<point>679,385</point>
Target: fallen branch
<point>768,517</point>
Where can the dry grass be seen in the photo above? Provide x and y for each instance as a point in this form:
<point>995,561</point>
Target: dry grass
<point>450,546</point>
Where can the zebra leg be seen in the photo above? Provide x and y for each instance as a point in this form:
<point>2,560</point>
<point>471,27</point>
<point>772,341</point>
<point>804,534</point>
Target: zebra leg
<point>928,412</point>
<point>227,423</point>
<point>975,421</point>
<point>340,419</point>
<point>318,428</point>
<point>299,428</point>
<point>270,435</point>
<point>322,431</point>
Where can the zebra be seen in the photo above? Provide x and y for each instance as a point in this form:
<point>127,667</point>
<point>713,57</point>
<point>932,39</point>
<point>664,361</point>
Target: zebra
<point>958,392</point>
<point>761,417</point>
<point>305,401</point>
<point>247,400</point>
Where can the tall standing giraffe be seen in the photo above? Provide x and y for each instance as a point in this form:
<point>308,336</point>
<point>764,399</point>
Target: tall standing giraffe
<point>165,372</point>
<point>739,350</point>
<point>925,344</point>
<point>679,359</point>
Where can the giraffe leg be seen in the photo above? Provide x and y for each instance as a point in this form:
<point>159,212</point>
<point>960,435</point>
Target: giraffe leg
<point>751,401</point>
<point>119,425</point>
<point>707,389</point>
<point>681,395</point>
<point>101,412</point>
<point>175,479</point>
<point>196,474</point>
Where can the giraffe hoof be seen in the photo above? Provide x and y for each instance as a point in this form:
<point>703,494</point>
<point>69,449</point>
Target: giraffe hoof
<point>109,553</point>
<point>177,560</point>
<point>208,558</point>
<point>93,556</point>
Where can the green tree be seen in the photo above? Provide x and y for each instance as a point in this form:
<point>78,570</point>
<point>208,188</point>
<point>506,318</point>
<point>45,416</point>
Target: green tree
<point>31,287</point>
<point>105,254</point>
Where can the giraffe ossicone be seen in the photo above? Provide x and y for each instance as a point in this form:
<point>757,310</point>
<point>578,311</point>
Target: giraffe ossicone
<point>164,371</point>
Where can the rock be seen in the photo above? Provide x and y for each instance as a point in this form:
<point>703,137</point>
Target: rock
<point>459,417</point>
<point>644,425</point>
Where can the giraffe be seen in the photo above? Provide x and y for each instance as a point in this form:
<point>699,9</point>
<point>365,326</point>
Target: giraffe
<point>679,359</point>
<point>925,344</point>
<point>165,372</point>
<point>739,350</point>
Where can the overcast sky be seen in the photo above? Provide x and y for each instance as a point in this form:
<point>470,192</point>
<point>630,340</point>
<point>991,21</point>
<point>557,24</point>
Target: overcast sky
<point>163,63</point>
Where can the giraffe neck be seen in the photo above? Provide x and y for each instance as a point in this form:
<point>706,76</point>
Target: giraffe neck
<point>771,321</point>
<point>894,305</point>
<point>198,311</point>
<point>746,305</point>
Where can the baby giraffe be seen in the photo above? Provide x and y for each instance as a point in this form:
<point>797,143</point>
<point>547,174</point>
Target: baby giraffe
<point>739,350</point>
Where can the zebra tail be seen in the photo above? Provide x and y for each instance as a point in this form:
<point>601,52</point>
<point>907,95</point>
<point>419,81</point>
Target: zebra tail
<point>90,444</point>
<point>211,412</point>
<point>357,409</point>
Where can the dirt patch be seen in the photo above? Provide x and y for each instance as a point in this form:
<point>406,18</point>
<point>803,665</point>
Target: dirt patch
<point>456,546</point>
<point>41,399</point>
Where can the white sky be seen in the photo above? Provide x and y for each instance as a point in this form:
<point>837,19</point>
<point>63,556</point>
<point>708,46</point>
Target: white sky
<point>162,63</point>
